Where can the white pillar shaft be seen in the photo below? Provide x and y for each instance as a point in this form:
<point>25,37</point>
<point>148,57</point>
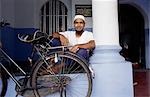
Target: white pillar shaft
<point>105,22</point>
<point>113,75</point>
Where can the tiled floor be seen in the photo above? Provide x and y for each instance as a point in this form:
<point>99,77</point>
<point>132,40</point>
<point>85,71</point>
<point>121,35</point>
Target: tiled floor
<point>142,89</point>
<point>142,77</point>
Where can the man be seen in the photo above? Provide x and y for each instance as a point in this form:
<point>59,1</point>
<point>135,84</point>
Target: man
<point>82,42</point>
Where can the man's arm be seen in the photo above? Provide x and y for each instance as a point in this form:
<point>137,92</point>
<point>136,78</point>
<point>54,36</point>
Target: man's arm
<point>63,39</point>
<point>90,45</point>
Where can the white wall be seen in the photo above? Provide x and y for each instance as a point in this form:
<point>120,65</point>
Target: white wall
<point>70,4</point>
<point>39,3</point>
<point>82,2</point>
<point>141,5</point>
<point>69,7</point>
<point>24,13</point>
<point>0,10</point>
<point>36,12</point>
<point>0,16</point>
<point>27,12</point>
<point>7,11</point>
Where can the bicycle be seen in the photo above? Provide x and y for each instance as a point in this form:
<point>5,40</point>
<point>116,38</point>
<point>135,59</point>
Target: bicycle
<point>3,81</point>
<point>56,72</point>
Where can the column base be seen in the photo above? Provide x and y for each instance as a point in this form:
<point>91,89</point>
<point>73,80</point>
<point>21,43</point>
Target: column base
<point>113,75</point>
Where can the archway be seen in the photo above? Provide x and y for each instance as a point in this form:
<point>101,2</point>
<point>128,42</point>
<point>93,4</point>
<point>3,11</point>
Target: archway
<point>132,38</point>
<point>53,16</point>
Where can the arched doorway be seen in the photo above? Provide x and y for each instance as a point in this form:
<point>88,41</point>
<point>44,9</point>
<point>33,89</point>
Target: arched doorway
<point>132,37</point>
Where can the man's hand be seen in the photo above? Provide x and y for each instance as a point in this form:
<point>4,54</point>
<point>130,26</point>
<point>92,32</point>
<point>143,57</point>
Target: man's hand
<point>64,40</point>
<point>74,49</point>
<point>56,35</point>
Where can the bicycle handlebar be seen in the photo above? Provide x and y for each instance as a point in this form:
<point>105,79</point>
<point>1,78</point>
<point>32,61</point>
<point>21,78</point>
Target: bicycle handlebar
<point>37,38</point>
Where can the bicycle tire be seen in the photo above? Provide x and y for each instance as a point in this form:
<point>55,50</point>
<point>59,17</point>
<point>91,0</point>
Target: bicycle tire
<point>4,83</point>
<point>78,74</point>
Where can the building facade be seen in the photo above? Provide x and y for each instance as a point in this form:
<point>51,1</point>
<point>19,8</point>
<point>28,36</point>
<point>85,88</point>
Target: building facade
<point>126,23</point>
<point>27,16</point>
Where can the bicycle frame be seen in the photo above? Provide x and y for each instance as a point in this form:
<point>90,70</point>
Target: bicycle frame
<point>24,73</point>
<point>12,77</point>
<point>45,55</point>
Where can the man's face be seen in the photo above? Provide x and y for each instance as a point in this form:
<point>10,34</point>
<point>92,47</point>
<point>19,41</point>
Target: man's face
<point>79,24</point>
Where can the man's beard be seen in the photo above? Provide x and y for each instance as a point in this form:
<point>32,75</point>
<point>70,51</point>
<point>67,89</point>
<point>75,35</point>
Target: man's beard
<point>79,31</point>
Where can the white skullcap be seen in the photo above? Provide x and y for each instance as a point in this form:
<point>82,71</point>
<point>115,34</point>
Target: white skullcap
<point>79,17</point>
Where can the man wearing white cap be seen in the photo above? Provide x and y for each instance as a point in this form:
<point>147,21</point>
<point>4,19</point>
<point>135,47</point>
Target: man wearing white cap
<point>81,41</point>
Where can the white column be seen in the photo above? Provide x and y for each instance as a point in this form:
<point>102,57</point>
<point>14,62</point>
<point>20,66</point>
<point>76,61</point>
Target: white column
<point>105,22</point>
<point>113,75</point>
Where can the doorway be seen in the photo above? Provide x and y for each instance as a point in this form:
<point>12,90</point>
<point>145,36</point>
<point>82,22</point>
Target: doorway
<point>132,37</point>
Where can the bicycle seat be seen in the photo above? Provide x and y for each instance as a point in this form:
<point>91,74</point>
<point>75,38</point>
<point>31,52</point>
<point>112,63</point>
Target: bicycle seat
<point>37,37</point>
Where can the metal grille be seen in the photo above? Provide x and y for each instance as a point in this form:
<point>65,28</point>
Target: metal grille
<point>53,17</point>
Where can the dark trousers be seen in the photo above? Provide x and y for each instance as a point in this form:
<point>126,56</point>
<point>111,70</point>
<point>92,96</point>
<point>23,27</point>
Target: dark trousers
<point>83,53</point>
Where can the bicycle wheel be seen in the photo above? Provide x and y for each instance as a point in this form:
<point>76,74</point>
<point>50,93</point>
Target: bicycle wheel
<point>68,76</point>
<point>3,84</point>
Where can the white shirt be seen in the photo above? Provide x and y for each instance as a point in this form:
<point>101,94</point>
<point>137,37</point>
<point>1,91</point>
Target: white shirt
<point>73,40</point>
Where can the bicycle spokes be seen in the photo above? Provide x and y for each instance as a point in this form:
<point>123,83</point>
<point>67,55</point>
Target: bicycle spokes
<point>70,77</point>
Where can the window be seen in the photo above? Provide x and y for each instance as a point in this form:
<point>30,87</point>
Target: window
<point>53,17</point>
